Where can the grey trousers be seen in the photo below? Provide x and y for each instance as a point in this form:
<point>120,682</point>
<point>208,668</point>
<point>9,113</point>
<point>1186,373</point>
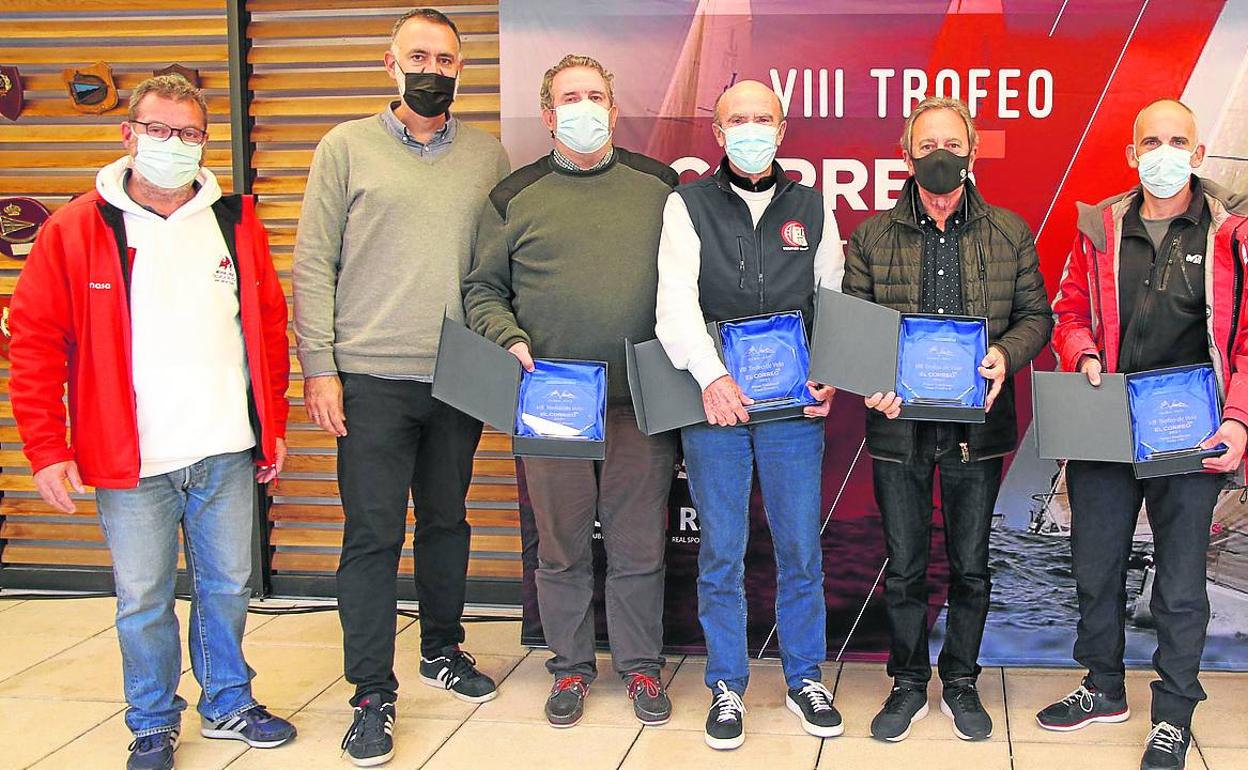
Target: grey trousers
<point>627,493</point>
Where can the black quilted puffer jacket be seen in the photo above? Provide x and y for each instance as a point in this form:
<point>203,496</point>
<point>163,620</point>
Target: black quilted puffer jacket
<point>1000,280</point>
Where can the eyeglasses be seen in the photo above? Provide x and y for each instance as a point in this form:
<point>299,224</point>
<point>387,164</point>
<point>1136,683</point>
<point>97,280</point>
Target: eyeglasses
<point>160,132</point>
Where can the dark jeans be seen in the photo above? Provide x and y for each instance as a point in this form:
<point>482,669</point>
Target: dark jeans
<point>968,493</point>
<point>627,494</point>
<point>400,441</point>
<point>1105,503</point>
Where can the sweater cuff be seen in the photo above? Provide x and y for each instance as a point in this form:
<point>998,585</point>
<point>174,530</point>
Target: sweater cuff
<point>512,336</point>
<point>317,363</point>
<point>707,369</point>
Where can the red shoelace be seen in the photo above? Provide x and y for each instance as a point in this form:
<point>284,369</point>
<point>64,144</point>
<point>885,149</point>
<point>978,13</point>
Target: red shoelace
<point>639,682</point>
<point>576,683</point>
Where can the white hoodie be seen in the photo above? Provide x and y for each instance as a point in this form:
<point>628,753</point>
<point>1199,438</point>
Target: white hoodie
<point>189,365</point>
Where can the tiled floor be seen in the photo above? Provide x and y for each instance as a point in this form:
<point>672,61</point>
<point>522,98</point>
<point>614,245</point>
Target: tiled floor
<point>61,707</point>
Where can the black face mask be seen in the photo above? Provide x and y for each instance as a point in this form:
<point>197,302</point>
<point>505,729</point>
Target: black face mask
<point>428,94</point>
<point>941,172</point>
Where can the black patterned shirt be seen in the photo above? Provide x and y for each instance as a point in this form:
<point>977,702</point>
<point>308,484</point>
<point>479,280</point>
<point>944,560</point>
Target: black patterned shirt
<point>941,288</point>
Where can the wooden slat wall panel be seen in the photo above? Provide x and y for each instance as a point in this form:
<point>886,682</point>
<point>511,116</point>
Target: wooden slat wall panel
<point>317,64</point>
<point>52,152</point>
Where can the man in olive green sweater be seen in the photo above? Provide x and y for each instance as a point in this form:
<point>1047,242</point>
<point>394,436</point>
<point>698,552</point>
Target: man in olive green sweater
<point>565,266</point>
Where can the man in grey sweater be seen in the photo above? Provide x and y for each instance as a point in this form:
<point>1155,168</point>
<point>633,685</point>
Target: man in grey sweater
<point>384,240</point>
<point>565,267</point>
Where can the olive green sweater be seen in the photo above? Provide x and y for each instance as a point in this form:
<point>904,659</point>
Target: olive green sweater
<point>566,261</point>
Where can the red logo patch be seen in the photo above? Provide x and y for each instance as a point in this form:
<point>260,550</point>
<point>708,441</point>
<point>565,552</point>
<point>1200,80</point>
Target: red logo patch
<point>793,233</point>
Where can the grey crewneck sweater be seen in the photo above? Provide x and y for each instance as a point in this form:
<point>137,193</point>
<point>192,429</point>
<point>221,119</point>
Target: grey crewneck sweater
<point>385,239</point>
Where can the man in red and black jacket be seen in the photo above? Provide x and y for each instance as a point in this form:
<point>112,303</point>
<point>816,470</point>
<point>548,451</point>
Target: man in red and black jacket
<point>1155,279</point>
<point>155,299</point>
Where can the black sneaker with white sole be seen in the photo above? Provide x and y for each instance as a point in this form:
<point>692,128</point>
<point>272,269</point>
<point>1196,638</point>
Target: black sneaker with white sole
<point>456,672</point>
<point>370,739</point>
<point>813,705</point>
<point>1083,707</point>
<point>905,705</point>
<point>1167,747</point>
<point>725,722</point>
<point>960,702</point>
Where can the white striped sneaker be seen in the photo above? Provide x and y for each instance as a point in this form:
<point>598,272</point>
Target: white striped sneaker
<point>256,727</point>
<point>370,739</point>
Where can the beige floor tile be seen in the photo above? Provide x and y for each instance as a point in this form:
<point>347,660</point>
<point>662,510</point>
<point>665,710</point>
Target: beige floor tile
<point>105,748</point>
<point>946,754</point>
<point>522,696</point>
<point>518,746</point>
<point>664,747</point>
<point>500,637</point>
<point>1222,759</point>
<point>79,618</point>
<point>1222,720</point>
<point>863,687</point>
<point>1102,756</point>
<point>764,698</point>
<point>18,653</point>
<point>1029,690</point>
<point>415,698</point>
<point>90,670</point>
<point>8,604</point>
<point>287,677</point>
<point>35,728</point>
<point>317,629</point>
<point>319,744</point>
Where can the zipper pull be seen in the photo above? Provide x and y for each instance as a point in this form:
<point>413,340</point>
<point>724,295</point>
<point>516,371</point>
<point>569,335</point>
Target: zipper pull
<point>740,264</point>
<point>966,452</point>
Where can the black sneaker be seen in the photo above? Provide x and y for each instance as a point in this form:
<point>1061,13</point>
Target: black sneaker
<point>960,702</point>
<point>153,752</point>
<point>566,704</point>
<point>1083,707</point>
<point>456,672</point>
<point>1167,747</point>
<point>650,703</point>
<point>725,723</point>
<point>906,705</point>
<point>370,739</point>
<point>813,705</point>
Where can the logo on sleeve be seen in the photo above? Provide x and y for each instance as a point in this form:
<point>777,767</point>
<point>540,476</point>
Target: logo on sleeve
<point>225,272</point>
<point>793,233</point>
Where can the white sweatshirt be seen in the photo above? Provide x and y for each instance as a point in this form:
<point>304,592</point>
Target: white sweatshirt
<point>190,371</point>
<point>679,323</point>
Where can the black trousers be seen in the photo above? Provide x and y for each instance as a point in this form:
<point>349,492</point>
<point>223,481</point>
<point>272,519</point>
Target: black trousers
<point>400,441</point>
<point>968,494</point>
<point>1105,502</point>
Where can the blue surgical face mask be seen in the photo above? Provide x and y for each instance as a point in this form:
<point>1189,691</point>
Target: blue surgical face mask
<point>751,146</point>
<point>1165,171</point>
<point>583,126</point>
<point>168,164</point>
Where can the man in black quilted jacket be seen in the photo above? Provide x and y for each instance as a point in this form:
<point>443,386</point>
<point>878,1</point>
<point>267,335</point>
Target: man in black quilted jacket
<point>942,249</point>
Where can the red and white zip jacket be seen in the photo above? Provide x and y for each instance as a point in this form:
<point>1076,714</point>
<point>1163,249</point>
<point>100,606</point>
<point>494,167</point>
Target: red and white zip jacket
<point>1086,306</point>
<point>70,324</point>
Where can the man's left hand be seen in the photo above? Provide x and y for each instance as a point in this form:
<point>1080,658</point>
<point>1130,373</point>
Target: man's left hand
<point>269,472</point>
<point>823,394</point>
<point>1235,436</point>
<point>992,368</point>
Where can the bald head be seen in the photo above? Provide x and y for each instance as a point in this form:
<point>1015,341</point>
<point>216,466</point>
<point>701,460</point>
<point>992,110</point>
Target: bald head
<point>748,102</point>
<point>1165,122</point>
<point>1165,117</point>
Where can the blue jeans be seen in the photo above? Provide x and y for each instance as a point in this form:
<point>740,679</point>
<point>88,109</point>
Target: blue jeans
<point>213,502</point>
<point>720,462</point>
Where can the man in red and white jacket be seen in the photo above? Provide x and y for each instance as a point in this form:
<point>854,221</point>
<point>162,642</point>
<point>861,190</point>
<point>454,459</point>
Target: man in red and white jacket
<point>155,299</point>
<point>1155,279</point>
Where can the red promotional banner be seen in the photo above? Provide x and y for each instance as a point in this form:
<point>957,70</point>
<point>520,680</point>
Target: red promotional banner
<point>1054,87</point>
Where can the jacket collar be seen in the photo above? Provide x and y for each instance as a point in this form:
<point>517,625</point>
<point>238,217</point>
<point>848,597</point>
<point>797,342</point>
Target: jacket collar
<point>724,181</point>
<point>906,212</point>
<point>1133,220</point>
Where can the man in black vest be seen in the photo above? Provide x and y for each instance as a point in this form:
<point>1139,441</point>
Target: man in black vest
<point>746,241</point>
